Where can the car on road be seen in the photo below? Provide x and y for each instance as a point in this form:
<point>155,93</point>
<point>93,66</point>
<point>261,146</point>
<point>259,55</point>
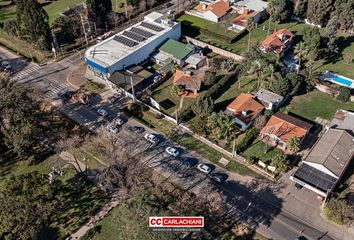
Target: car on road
<point>168,5</point>
<point>114,129</point>
<point>136,129</point>
<point>204,168</point>
<point>102,112</point>
<point>169,12</point>
<point>298,186</point>
<point>151,138</point>
<point>172,151</point>
<point>218,177</point>
<point>114,98</point>
<point>119,120</point>
<point>189,162</point>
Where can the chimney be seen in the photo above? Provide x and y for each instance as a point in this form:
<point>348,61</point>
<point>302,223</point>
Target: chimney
<point>244,113</point>
<point>204,6</point>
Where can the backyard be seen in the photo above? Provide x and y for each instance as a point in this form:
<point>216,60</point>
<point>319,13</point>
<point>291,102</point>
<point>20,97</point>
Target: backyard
<point>317,104</point>
<point>261,151</point>
<point>169,101</point>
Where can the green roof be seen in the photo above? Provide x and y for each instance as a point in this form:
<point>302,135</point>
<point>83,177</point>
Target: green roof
<point>177,49</point>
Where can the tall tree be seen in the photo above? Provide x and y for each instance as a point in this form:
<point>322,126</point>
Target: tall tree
<point>318,11</point>
<point>19,118</point>
<point>301,52</point>
<point>300,7</point>
<point>32,21</point>
<point>281,10</point>
<point>99,11</point>
<point>344,11</point>
<point>27,203</point>
<point>280,85</point>
<point>203,107</point>
<point>312,39</point>
<point>330,35</point>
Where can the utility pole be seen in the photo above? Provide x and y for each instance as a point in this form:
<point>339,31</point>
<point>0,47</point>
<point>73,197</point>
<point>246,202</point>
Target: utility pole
<point>233,147</point>
<point>177,116</point>
<point>55,45</point>
<point>131,82</point>
<point>54,51</point>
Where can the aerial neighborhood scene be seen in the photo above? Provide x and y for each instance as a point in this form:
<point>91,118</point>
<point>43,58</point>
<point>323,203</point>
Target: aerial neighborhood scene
<point>176,119</point>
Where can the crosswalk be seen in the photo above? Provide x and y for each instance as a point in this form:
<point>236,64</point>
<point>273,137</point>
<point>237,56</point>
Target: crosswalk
<point>57,90</point>
<point>26,72</point>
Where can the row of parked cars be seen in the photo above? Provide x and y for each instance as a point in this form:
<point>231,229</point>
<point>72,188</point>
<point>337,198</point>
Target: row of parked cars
<point>205,168</point>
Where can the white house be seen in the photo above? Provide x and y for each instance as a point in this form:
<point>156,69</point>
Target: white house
<point>213,11</point>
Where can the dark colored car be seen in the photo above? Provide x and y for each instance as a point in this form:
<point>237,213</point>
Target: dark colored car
<point>114,98</point>
<point>137,129</point>
<point>298,186</point>
<point>189,162</point>
<point>218,177</point>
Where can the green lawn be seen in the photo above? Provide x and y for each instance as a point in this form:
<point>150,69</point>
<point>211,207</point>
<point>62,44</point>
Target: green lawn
<point>257,149</point>
<point>163,92</point>
<point>317,104</point>
<point>200,23</point>
<point>247,84</point>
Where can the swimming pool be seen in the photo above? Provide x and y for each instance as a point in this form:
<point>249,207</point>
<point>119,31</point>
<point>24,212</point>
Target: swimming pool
<point>338,79</point>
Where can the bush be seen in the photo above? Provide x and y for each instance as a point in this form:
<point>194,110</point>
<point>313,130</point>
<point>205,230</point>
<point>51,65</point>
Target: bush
<point>136,109</point>
<point>339,211</point>
<point>93,87</point>
<point>253,159</point>
<point>344,94</point>
<point>247,140</point>
<point>10,27</point>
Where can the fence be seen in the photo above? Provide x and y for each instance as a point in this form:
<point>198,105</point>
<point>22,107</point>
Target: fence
<point>217,50</point>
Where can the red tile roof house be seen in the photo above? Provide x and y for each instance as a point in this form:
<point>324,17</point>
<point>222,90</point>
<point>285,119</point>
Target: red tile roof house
<point>281,128</point>
<point>245,109</point>
<point>239,23</point>
<point>215,11</point>
<point>277,42</point>
<point>191,83</point>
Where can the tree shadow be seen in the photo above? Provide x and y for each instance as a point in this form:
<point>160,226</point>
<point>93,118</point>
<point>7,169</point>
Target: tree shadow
<point>343,43</point>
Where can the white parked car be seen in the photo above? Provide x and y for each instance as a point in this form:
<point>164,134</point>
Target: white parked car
<point>151,138</point>
<point>114,129</point>
<point>172,151</point>
<point>204,168</point>
<point>102,112</point>
<point>119,121</point>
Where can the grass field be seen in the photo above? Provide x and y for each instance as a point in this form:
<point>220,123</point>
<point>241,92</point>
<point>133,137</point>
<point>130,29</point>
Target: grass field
<point>257,149</point>
<point>317,104</point>
<point>200,23</point>
<point>163,92</point>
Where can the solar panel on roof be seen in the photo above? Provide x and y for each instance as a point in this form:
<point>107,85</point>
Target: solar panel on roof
<point>125,41</point>
<point>134,36</point>
<point>152,26</point>
<point>142,32</point>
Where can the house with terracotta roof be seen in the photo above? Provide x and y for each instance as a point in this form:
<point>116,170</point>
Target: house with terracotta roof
<point>214,11</point>
<point>277,42</point>
<point>257,9</point>
<point>281,128</point>
<point>191,81</point>
<point>245,109</point>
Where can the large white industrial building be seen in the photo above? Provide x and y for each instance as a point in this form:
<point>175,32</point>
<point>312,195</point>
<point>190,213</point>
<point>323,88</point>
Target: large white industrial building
<point>131,46</point>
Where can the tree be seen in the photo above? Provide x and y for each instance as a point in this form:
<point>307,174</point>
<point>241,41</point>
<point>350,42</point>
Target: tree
<point>32,21</point>
<point>27,203</point>
<point>344,94</point>
<point>294,144</point>
<point>301,52</point>
<point>203,106</point>
<point>312,39</point>
<point>99,11</point>
<point>280,10</point>
<point>222,126</point>
<point>330,35</point>
<point>67,28</point>
<point>281,162</point>
<point>296,83</point>
<point>340,211</point>
<point>318,11</point>
<point>209,78</point>
<point>250,26</point>
<point>280,85</point>
<point>19,118</point>
<point>177,90</point>
<point>344,11</point>
<point>300,7</point>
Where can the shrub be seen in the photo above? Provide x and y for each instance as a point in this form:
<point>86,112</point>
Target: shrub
<point>93,87</point>
<point>253,159</point>
<point>10,27</point>
<point>136,109</point>
<point>344,94</point>
<point>339,211</point>
<point>247,140</point>
<point>281,162</point>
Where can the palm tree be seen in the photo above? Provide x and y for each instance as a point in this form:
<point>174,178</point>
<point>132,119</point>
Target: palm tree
<point>257,67</point>
<point>250,25</point>
<point>301,52</point>
<point>294,144</point>
<point>176,90</point>
<point>228,127</point>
